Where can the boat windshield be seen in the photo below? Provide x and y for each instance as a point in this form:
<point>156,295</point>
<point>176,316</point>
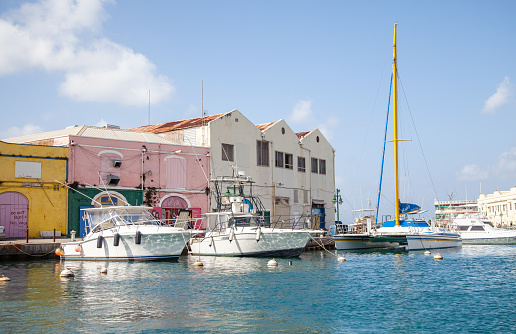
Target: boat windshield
<point>106,218</point>
<point>488,223</point>
<point>462,228</point>
<point>243,221</point>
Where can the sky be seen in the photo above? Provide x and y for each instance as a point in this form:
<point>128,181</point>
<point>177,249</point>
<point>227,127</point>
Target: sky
<point>316,64</point>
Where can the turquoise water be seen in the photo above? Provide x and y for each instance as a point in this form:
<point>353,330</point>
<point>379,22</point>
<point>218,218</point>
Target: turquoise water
<point>472,290</point>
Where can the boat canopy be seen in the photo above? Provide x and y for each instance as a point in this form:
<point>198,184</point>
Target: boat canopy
<point>120,215</point>
<point>408,208</point>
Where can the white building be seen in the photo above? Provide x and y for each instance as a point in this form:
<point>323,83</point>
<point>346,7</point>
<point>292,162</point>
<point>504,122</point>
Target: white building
<point>294,172</point>
<point>447,211</point>
<point>499,207</point>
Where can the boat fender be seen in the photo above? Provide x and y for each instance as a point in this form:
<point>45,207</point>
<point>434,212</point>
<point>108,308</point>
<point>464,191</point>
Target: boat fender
<point>138,239</point>
<point>211,241</point>
<point>100,239</point>
<point>78,248</point>
<point>258,234</point>
<point>59,251</point>
<point>116,239</point>
<point>231,234</point>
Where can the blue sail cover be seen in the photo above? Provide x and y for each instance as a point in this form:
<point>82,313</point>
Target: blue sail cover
<point>408,208</point>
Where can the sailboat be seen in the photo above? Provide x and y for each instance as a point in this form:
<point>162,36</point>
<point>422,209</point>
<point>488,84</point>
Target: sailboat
<point>402,232</point>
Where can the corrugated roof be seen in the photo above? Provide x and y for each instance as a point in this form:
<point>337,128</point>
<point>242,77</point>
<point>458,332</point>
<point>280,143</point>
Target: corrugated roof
<point>265,125</point>
<point>73,130</point>
<point>116,134</point>
<point>302,134</point>
<point>177,125</point>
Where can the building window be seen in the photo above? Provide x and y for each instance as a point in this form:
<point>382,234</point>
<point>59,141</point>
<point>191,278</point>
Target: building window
<point>262,153</point>
<point>279,159</point>
<point>296,196</point>
<point>322,167</point>
<point>227,152</point>
<point>315,168</point>
<point>301,164</point>
<point>289,161</point>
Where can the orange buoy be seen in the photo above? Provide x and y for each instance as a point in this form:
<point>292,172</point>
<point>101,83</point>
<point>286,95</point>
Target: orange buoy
<point>59,251</point>
<point>78,248</point>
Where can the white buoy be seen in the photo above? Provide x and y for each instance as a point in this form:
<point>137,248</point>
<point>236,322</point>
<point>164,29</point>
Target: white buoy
<point>103,271</point>
<point>341,259</point>
<point>438,256</point>
<point>67,273</point>
<point>4,278</point>
<point>427,252</point>
<point>258,234</point>
<point>272,263</point>
<point>198,263</point>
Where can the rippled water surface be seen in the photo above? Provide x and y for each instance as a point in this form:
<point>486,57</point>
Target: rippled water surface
<point>471,290</point>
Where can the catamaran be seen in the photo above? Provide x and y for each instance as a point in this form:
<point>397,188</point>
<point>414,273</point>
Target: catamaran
<point>402,232</point>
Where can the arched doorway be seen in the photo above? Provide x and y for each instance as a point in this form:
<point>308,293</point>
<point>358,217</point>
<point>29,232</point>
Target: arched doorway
<point>172,205</point>
<point>14,214</point>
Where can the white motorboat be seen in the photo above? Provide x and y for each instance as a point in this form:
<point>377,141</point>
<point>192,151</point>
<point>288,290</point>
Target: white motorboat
<point>235,228</point>
<point>126,233</point>
<point>402,232</point>
<point>476,228</point>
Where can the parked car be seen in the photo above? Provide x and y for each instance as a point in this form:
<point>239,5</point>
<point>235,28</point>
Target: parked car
<point>2,231</point>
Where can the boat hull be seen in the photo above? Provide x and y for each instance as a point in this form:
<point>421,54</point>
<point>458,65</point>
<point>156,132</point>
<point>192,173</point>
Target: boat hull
<point>279,243</point>
<point>489,241</point>
<point>428,242</point>
<point>152,246</point>
<point>360,242</point>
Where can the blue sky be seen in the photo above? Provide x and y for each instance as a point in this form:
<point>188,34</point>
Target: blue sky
<point>322,64</point>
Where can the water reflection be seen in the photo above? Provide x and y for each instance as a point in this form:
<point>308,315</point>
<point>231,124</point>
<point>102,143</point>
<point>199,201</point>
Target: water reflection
<point>315,293</point>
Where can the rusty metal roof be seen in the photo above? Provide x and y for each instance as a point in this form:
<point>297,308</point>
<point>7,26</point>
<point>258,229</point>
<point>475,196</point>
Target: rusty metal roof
<point>177,125</point>
<point>302,134</point>
<point>264,126</point>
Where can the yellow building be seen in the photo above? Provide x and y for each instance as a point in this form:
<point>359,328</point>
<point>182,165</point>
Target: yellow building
<point>30,196</point>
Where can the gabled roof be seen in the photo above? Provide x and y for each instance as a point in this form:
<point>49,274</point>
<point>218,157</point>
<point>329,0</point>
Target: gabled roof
<point>177,125</point>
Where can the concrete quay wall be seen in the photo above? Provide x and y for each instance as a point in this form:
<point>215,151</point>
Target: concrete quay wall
<point>36,248</point>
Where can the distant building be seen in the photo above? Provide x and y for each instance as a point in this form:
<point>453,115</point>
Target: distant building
<point>31,196</point>
<point>447,211</point>
<point>499,207</point>
<point>109,166</point>
<point>294,172</point>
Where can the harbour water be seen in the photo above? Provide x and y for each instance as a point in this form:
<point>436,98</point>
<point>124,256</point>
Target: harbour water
<point>472,290</point>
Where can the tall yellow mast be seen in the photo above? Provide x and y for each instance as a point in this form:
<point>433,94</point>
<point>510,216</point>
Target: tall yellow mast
<point>395,101</point>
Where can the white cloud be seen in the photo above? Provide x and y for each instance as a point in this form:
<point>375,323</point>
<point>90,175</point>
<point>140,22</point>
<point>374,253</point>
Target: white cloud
<point>102,123</point>
<point>504,168</point>
<point>59,35</point>
<point>503,95</point>
<point>302,113</point>
<point>473,172</point>
<point>15,131</point>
